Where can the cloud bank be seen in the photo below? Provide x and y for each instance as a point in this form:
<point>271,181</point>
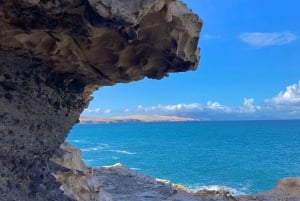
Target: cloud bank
<point>260,39</point>
<point>286,102</point>
<point>289,97</point>
<point>284,105</point>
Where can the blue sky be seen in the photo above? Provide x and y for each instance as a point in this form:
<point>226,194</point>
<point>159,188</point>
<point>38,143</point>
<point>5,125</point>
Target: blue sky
<point>249,68</point>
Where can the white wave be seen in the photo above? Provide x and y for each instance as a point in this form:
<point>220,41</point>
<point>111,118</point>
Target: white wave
<point>135,168</point>
<point>122,151</point>
<point>97,148</point>
<point>77,141</point>
<point>232,191</point>
<point>90,149</point>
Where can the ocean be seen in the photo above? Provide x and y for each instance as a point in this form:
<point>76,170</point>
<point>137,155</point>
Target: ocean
<point>244,157</point>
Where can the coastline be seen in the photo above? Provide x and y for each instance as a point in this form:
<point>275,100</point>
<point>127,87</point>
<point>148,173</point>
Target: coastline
<point>186,152</point>
<point>120,183</point>
<point>135,118</point>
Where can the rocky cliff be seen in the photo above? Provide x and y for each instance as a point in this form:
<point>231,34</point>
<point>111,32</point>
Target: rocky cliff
<point>54,54</point>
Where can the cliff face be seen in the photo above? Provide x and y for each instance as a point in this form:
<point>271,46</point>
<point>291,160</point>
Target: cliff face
<point>54,54</point>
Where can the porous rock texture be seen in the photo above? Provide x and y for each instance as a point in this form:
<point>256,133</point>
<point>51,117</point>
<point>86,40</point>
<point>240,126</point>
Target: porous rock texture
<point>54,54</point>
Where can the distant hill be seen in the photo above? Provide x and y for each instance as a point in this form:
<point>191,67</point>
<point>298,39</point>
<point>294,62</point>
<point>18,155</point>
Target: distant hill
<point>135,118</point>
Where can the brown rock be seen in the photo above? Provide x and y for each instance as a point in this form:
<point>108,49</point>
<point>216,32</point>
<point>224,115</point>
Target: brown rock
<point>287,189</point>
<point>288,185</point>
<point>54,54</point>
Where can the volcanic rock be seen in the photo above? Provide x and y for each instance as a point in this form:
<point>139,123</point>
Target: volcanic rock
<point>54,54</point>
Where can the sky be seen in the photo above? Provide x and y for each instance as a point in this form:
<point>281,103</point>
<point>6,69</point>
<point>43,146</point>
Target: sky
<point>249,68</point>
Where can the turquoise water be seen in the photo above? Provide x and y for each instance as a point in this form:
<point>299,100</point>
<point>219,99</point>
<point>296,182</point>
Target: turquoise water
<point>245,156</point>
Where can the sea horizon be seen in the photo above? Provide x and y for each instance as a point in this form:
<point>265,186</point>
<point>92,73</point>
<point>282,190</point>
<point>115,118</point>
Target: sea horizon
<point>135,118</point>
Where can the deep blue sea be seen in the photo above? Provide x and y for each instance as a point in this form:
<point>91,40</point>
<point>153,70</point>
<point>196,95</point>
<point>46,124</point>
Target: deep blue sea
<point>244,156</point>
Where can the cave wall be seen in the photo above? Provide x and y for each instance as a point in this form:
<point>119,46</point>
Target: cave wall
<point>54,54</point>
<point>37,111</point>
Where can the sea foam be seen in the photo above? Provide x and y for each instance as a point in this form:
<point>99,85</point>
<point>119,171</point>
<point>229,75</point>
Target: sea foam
<point>122,152</point>
<point>232,191</point>
<point>97,148</point>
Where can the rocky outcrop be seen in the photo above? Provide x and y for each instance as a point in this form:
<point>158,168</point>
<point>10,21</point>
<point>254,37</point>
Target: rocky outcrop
<point>97,43</point>
<point>119,183</point>
<point>288,185</point>
<point>54,54</point>
<point>287,189</point>
<point>77,180</point>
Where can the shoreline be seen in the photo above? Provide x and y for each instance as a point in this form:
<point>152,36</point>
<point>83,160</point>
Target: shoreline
<point>120,183</point>
<point>135,118</point>
<point>162,118</point>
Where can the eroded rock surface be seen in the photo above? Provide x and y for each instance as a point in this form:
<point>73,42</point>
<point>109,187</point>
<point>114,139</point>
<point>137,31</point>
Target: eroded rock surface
<point>36,112</point>
<point>104,42</point>
<point>54,54</point>
<point>77,180</point>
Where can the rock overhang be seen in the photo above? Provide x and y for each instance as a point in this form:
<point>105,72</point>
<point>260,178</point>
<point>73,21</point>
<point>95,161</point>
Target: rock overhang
<point>104,42</point>
<point>54,54</point>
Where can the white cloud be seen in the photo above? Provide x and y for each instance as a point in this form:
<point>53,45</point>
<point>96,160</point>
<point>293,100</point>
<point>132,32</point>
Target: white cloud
<point>291,96</point>
<point>169,108</point>
<point>87,110</point>
<point>214,105</point>
<point>286,104</point>
<point>247,109</point>
<point>107,111</point>
<point>210,36</point>
<point>177,108</point>
<point>97,111</point>
<point>259,39</point>
<point>180,107</point>
<point>249,106</point>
